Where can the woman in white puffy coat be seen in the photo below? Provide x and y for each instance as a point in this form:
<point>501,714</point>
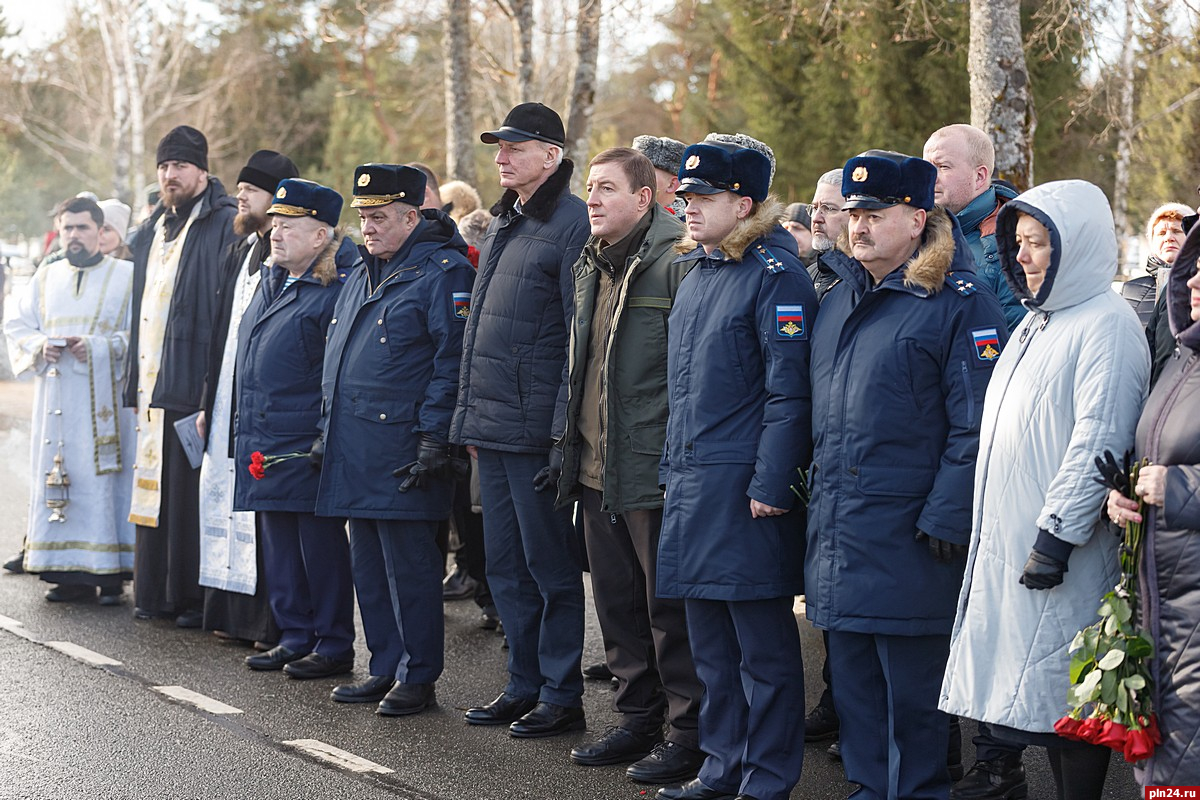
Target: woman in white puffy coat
<point>1069,385</point>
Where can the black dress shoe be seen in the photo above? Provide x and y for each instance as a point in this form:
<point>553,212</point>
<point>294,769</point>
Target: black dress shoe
<point>190,619</point>
<point>821,723</point>
<point>407,698</point>
<point>669,762</point>
<point>692,790</point>
<point>111,595</point>
<point>141,613</point>
<point>372,690</point>
<point>547,719</point>
<point>315,665</point>
<point>598,671</point>
<point>745,797</point>
<point>489,619</point>
<point>70,593</point>
<point>273,659</point>
<point>16,564</point>
<point>503,710</point>
<point>615,746</point>
<point>834,751</point>
<point>458,585</point>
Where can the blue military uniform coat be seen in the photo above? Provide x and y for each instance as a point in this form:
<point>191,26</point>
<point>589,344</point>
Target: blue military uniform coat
<point>391,373</point>
<point>739,424</point>
<point>280,353</point>
<point>899,371</point>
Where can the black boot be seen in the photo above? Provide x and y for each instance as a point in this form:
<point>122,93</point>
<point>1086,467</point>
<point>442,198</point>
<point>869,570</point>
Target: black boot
<point>1001,778</point>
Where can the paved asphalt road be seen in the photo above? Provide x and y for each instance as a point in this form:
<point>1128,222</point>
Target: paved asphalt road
<point>70,728</point>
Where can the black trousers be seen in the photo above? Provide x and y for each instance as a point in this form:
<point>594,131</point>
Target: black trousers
<point>166,559</point>
<point>645,637</point>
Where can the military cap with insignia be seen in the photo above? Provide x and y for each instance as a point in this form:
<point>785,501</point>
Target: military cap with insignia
<point>297,197</point>
<point>709,168</point>
<point>528,121</point>
<point>380,184</point>
<point>882,181</point>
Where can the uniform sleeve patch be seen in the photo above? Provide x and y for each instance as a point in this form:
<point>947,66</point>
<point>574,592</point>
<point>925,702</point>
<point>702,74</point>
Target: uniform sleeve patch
<point>987,344</point>
<point>462,304</point>
<point>789,322</point>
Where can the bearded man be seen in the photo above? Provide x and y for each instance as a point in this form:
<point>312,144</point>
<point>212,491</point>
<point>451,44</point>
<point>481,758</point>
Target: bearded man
<point>176,274</point>
<point>231,561</point>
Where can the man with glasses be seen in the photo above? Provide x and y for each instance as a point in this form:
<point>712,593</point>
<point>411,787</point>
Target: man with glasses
<point>828,224</point>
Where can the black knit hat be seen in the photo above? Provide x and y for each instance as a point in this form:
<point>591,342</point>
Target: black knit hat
<point>266,168</point>
<point>184,143</point>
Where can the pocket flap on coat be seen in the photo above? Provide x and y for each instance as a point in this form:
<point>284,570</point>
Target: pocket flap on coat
<point>895,481</point>
<point>381,409</point>
<point>648,439</point>
<point>726,452</point>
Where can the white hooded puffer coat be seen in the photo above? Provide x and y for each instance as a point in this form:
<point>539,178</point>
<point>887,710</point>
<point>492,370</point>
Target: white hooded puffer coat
<point>1069,385</point>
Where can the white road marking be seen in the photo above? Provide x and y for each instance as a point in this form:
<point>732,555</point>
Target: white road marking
<point>337,756</point>
<point>83,654</point>
<point>200,701</point>
<point>8,623</point>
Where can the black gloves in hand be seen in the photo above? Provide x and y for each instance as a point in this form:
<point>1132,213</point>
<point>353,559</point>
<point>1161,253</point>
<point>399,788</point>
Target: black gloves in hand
<point>547,477</point>
<point>1042,571</point>
<point>316,453</point>
<point>433,456</point>
<point>1047,562</point>
<point>943,551</point>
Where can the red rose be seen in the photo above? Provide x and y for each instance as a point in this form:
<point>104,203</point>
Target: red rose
<point>1112,735</point>
<point>473,256</point>
<point>1089,729</point>
<point>1139,744</point>
<point>1151,726</point>
<point>1068,727</point>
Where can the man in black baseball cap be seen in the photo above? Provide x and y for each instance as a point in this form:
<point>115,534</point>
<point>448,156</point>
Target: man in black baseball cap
<point>514,355</point>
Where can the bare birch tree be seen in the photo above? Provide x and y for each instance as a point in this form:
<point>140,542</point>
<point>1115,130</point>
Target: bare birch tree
<point>460,151</point>
<point>1001,103</point>
<point>1125,125</point>
<point>583,92</point>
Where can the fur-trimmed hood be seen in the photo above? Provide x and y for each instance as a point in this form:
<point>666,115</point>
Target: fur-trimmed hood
<point>543,202</point>
<point>747,231</point>
<point>934,256</point>
<point>324,267</point>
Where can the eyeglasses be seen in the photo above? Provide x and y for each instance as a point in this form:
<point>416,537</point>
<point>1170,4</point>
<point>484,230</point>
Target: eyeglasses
<point>824,208</point>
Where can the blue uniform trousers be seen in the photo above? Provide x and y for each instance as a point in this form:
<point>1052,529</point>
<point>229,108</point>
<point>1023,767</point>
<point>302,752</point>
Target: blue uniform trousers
<point>533,569</point>
<point>747,655</point>
<point>398,578</point>
<point>307,562</point>
<point>893,736</point>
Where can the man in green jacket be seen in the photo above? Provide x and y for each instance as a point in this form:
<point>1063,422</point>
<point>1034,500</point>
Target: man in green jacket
<point>616,416</point>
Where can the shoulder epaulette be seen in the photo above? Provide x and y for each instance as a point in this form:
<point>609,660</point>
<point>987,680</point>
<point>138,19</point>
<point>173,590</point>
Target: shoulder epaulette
<point>768,259</point>
<point>963,287</point>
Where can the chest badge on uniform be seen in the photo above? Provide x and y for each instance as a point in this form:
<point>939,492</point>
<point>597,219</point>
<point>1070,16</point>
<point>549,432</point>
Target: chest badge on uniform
<point>987,344</point>
<point>789,322</point>
<point>462,304</point>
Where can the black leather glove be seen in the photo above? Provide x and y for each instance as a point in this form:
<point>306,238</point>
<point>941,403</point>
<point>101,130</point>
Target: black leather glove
<point>1047,562</point>
<point>316,453</point>
<point>547,477</point>
<point>433,456</point>
<point>943,551</point>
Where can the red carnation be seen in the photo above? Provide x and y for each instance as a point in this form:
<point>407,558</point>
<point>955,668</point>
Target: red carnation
<point>473,256</point>
<point>1068,727</point>
<point>1112,735</point>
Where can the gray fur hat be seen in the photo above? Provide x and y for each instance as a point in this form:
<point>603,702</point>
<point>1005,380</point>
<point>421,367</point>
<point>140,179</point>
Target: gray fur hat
<point>664,153</point>
<point>742,140</point>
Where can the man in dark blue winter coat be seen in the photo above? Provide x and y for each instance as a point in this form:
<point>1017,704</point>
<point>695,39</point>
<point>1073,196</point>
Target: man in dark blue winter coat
<point>281,349</point>
<point>511,383</point>
<point>901,357</point>
<point>738,433</point>
<point>387,394</point>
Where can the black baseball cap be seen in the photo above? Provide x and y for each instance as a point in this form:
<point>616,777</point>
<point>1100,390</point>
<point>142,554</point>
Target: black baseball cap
<point>529,121</point>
